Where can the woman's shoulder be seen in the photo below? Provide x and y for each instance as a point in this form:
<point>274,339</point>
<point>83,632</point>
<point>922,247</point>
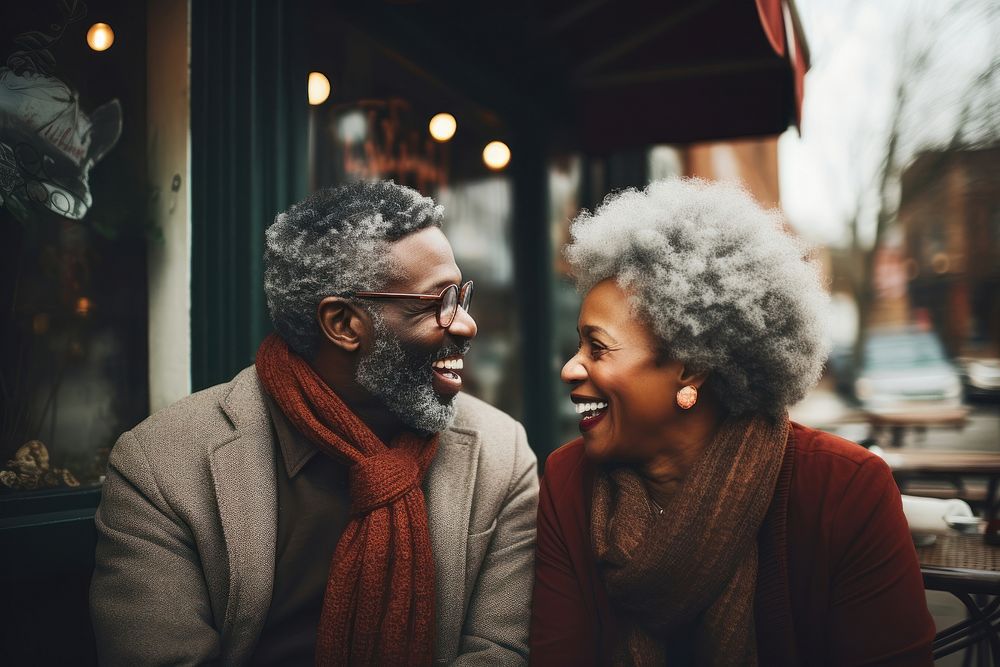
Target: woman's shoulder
<point>569,453</point>
<point>565,464</point>
<point>827,466</point>
<point>815,448</point>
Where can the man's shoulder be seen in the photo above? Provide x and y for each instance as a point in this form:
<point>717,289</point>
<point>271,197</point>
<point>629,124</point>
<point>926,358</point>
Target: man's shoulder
<point>503,440</point>
<point>195,424</point>
<point>477,415</point>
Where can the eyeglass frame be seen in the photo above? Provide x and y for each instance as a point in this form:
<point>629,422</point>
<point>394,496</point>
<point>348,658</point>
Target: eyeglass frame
<point>466,288</point>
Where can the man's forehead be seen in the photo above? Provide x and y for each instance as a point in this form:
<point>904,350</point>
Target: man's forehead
<point>424,260</point>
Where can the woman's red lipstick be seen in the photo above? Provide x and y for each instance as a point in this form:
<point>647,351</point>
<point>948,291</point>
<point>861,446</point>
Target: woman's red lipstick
<point>587,423</point>
<point>591,411</point>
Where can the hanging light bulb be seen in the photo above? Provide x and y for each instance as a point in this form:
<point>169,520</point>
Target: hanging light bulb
<point>496,155</point>
<point>442,127</point>
<point>83,306</point>
<point>319,88</point>
<point>100,37</point>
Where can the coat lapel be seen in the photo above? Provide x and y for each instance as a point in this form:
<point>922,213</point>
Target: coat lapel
<point>448,489</point>
<point>244,477</point>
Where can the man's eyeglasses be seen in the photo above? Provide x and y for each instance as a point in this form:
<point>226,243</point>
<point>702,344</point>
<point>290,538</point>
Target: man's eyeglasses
<point>449,299</point>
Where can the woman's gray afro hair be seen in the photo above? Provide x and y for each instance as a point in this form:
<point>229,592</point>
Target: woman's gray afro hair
<point>717,280</point>
<point>335,241</point>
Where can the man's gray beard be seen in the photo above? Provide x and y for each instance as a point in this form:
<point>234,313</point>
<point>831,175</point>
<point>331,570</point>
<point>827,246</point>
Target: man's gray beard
<point>403,382</point>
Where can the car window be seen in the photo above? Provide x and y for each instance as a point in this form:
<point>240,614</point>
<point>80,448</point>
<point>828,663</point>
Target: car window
<point>894,352</point>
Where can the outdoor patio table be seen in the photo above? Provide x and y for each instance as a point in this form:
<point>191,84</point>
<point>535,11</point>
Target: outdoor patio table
<point>969,569</point>
<point>954,466</point>
<point>897,423</point>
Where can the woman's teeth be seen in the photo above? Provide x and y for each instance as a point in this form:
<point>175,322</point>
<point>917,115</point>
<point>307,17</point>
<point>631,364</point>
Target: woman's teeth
<point>582,408</point>
<point>450,364</point>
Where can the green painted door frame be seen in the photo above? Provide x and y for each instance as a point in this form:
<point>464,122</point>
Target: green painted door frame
<point>248,161</point>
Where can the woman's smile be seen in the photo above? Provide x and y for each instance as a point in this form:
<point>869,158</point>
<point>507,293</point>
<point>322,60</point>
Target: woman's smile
<point>591,410</point>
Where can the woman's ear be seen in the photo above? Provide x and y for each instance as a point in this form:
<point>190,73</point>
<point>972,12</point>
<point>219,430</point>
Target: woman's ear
<point>689,376</point>
<point>342,323</point>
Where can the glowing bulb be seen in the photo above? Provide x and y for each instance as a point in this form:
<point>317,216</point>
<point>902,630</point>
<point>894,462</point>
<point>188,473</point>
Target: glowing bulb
<point>443,126</point>
<point>83,306</point>
<point>496,155</point>
<point>319,88</point>
<point>100,37</point>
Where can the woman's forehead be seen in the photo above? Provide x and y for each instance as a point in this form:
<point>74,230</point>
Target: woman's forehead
<point>607,310</point>
<point>605,306</point>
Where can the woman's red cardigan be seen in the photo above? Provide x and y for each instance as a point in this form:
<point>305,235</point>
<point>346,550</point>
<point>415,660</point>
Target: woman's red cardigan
<point>838,581</point>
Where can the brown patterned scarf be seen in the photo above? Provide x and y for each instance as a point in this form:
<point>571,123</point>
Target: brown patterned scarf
<point>378,608</point>
<point>694,565</point>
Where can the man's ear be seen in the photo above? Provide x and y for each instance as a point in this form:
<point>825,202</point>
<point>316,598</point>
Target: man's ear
<point>342,323</point>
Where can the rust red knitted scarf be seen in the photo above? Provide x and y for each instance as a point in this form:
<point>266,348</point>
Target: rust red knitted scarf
<point>378,608</point>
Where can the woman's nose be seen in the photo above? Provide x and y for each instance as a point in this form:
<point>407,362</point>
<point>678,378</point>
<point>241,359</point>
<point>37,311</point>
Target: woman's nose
<point>573,371</point>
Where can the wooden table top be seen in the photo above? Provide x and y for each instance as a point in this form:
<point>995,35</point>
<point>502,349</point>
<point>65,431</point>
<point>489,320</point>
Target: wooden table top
<point>926,417</point>
<point>943,461</point>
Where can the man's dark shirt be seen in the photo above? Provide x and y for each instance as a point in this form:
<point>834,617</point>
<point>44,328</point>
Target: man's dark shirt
<point>313,510</point>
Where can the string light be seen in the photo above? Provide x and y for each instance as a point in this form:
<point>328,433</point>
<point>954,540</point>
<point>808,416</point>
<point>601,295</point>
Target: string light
<point>100,37</point>
<point>442,127</point>
<point>496,155</point>
<point>319,88</point>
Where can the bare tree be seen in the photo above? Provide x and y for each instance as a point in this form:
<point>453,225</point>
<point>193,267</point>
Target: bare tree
<point>975,124</point>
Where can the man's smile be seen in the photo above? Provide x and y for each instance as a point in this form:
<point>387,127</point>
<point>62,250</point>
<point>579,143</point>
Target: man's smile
<point>447,380</point>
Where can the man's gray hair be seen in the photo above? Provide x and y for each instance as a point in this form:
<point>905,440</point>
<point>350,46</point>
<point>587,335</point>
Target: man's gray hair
<point>336,240</point>
<point>720,284</point>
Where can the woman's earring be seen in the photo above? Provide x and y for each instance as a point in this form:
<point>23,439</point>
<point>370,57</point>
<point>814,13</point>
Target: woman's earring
<point>687,397</point>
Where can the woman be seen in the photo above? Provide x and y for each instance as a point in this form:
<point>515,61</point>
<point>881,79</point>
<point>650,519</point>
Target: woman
<point>693,523</point>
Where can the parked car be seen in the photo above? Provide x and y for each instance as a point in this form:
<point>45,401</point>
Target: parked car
<point>905,371</point>
<point>981,376</point>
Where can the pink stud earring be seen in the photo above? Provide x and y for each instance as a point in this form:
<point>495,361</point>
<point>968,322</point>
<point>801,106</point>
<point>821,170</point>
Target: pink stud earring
<point>687,397</point>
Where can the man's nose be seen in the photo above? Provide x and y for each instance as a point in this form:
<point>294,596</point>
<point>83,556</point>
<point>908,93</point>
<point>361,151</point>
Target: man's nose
<point>463,325</point>
<point>573,371</point>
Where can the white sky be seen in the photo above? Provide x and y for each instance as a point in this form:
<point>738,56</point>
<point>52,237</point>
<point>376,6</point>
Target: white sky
<point>856,48</point>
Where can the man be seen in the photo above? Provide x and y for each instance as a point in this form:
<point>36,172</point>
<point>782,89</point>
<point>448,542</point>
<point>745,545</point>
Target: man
<point>339,502</point>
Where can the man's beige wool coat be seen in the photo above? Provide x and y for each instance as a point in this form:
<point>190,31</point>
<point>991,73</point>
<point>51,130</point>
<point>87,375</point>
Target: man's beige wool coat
<point>187,530</point>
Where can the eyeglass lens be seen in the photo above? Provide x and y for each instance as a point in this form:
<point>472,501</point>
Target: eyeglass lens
<point>465,298</point>
<point>451,300</point>
<point>449,306</point>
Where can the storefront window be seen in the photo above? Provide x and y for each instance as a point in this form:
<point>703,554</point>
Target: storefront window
<point>73,357</point>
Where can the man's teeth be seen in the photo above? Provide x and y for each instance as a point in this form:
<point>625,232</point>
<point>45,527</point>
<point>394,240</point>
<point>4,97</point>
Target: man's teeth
<point>451,364</point>
<point>589,407</point>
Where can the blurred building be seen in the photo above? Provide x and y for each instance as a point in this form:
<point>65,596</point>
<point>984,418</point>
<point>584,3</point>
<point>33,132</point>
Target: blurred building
<point>950,216</point>
<point>753,162</point>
